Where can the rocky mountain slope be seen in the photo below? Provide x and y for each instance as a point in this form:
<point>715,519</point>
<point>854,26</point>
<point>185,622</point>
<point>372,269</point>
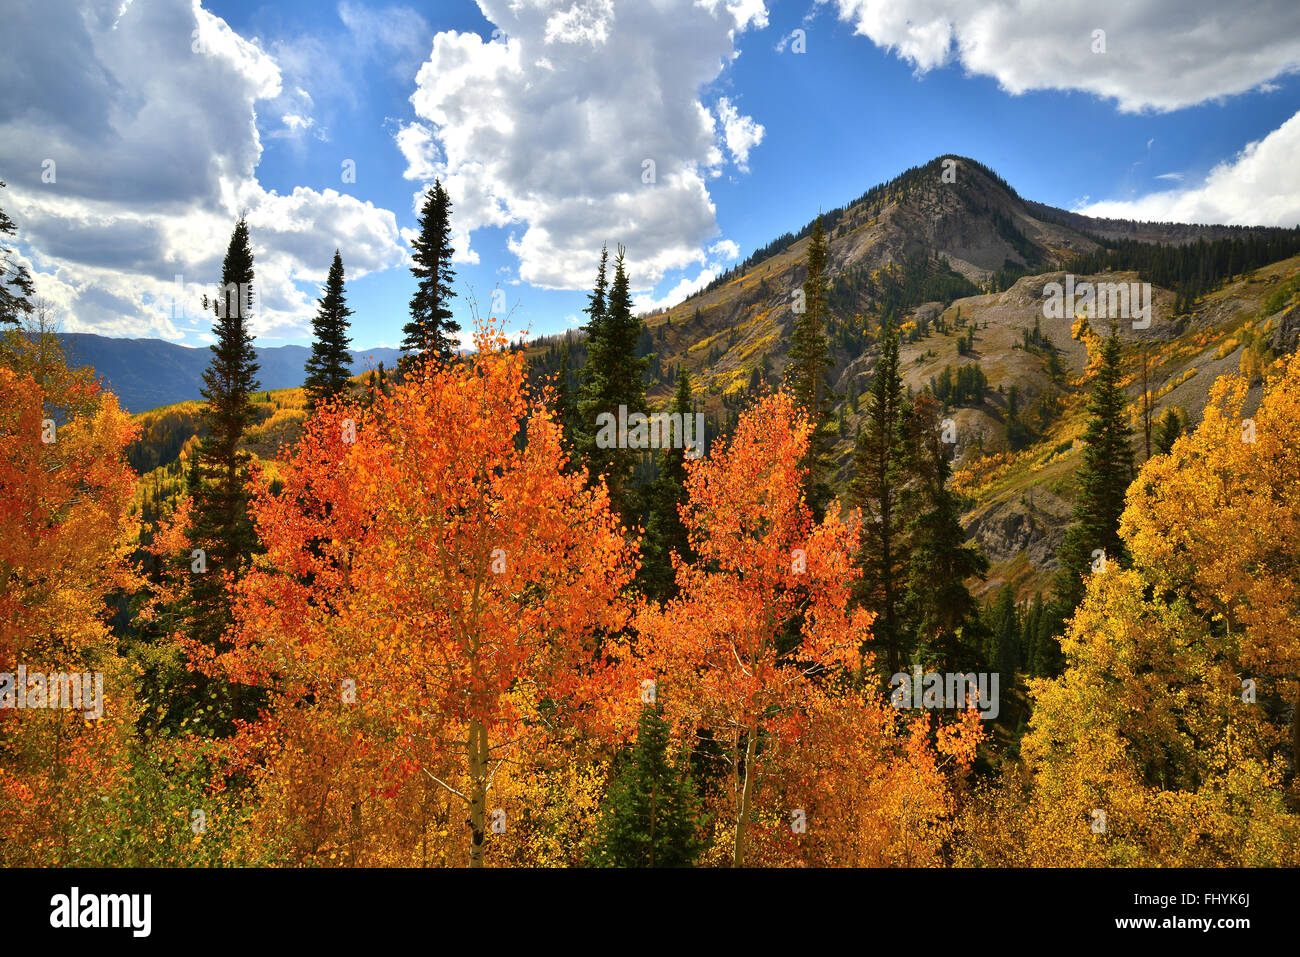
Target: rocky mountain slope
<point>923,230</point>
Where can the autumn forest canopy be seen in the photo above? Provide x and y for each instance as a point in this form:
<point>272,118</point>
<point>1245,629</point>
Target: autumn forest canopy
<point>451,623</point>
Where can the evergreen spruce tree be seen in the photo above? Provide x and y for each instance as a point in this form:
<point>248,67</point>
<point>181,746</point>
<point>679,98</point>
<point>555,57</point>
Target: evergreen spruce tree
<point>219,523</point>
<point>1103,480</point>
<point>1029,634</point>
<point>1055,370</point>
<point>565,413</point>
<point>1046,655</point>
<point>431,330</point>
<point>613,377</point>
<point>1004,656</point>
<point>1168,431</point>
<point>806,375</point>
<point>651,816</point>
<point>880,472</point>
<point>664,532</point>
<point>940,560</point>
<point>596,298</point>
<point>584,432</point>
<point>329,367</point>
<point>15,283</point>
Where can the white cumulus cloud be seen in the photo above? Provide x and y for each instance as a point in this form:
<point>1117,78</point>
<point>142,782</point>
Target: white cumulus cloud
<point>1260,186</point>
<point>741,132</point>
<point>582,122</point>
<point>149,112</point>
<point>1158,54</point>
<point>720,256</point>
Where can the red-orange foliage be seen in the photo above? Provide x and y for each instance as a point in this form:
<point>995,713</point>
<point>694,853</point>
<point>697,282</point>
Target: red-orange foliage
<point>444,569</point>
<point>65,530</point>
<point>764,612</point>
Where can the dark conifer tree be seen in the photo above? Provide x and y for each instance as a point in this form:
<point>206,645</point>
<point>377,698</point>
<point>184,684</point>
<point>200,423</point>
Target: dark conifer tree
<point>1004,649</point>
<point>329,367</point>
<point>15,283</point>
<point>584,432</point>
<point>1029,634</point>
<point>880,472</point>
<point>613,377</point>
<point>1168,431</point>
<point>219,525</point>
<point>664,532</point>
<point>1103,480</point>
<point>596,298</point>
<point>431,330</point>
<point>651,816</point>
<point>806,375</point>
<point>940,560</point>
<point>565,412</point>
<point>1004,655</point>
<point>1046,655</point>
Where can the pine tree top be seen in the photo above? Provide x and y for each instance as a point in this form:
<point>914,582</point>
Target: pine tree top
<point>431,329</point>
<point>329,366</point>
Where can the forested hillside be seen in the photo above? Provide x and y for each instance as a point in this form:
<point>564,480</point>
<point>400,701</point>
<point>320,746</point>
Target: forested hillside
<point>962,571</point>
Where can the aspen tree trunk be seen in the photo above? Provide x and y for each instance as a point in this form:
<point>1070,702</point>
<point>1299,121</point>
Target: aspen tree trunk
<point>478,759</point>
<point>746,795</point>
<point>354,834</point>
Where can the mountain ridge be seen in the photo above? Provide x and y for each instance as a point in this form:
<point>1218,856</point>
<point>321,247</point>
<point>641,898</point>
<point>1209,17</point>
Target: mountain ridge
<point>898,244</point>
<point>148,373</point>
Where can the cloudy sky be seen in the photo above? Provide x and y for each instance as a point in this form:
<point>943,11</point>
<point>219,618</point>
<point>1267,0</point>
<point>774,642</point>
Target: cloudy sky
<point>134,132</point>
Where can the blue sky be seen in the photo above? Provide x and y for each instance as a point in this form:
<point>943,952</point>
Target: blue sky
<point>540,116</point>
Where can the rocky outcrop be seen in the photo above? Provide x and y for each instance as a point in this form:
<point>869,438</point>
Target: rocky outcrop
<point>1286,335</point>
<point>1034,523</point>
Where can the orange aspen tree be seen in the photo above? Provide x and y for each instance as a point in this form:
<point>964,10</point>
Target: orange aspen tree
<point>866,785</point>
<point>65,536</point>
<point>434,580</point>
<point>764,611</point>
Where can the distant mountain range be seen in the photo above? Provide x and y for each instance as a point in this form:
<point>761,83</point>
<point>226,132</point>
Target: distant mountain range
<point>147,373</point>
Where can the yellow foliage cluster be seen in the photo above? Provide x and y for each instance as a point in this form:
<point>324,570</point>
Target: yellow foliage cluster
<point>1169,739</point>
<point>1174,383</point>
